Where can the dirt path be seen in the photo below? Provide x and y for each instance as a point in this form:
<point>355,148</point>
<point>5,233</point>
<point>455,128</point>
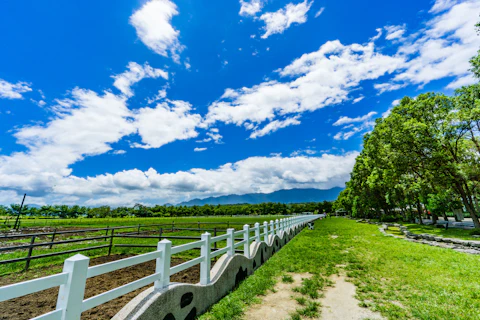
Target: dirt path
<point>279,304</point>
<point>340,303</point>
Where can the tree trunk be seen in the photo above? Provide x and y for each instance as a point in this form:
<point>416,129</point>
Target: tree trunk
<point>404,215</point>
<point>445,216</point>
<point>469,205</point>
<point>434,218</point>
<point>419,211</point>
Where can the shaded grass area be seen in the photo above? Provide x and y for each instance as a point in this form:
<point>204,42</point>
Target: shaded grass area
<point>441,232</point>
<point>400,279</point>
<point>53,262</point>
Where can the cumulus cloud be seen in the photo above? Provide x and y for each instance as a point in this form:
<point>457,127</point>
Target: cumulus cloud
<point>134,74</point>
<point>88,128</point>
<point>254,174</point>
<point>86,124</point>
<point>167,122</point>
<point>153,25</point>
<point>444,47</point>
<point>199,149</point>
<point>313,81</point>
<point>250,8</point>
<point>13,91</point>
<point>278,21</point>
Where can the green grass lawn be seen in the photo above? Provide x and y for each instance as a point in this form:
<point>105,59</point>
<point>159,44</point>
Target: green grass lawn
<point>104,222</point>
<point>400,279</point>
<point>440,232</point>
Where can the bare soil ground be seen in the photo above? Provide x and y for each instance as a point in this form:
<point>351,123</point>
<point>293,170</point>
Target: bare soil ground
<point>340,303</point>
<point>278,304</point>
<point>35,304</point>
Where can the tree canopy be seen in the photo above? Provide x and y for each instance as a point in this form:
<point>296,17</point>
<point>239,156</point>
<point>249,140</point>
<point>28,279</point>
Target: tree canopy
<point>425,155</point>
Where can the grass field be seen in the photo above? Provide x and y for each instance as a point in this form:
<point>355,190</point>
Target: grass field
<point>213,222</point>
<point>441,232</point>
<point>400,279</point>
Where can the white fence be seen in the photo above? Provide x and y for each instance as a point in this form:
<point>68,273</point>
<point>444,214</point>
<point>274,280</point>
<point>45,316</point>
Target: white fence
<point>72,280</point>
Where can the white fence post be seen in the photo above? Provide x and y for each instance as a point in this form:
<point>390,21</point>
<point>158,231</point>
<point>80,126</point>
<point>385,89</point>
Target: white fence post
<point>271,228</point>
<point>70,296</point>
<point>231,242</point>
<point>265,230</point>
<point>283,224</point>
<point>277,226</point>
<point>246,237</point>
<point>205,264</point>
<point>163,264</point>
<point>257,232</point>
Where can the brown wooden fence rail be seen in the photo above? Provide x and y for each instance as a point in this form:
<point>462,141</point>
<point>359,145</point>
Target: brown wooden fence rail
<point>108,236</point>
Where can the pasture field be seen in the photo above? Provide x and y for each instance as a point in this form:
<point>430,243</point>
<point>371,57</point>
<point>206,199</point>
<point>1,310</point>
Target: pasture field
<point>399,279</point>
<point>38,225</point>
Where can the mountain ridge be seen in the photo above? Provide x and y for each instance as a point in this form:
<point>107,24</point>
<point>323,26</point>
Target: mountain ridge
<point>282,196</point>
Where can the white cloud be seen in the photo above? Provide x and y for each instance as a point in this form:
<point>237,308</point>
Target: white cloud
<point>13,91</point>
<point>88,128</point>
<point>462,81</point>
<point>317,79</point>
<point>278,21</point>
<point>117,152</point>
<point>389,110</point>
<point>153,25</point>
<point>87,124</point>
<point>161,94</point>
<point>250,8</point>
<point>378,35</point>
<point>395,32</point>
<point>365,123</point>
<point>444,48</point>
<point>199,149</point>
<point>442,5</point>
<point>255,174</point>
<point>356,100</point>
<point>274,126</point>
<point>396,102</point>
<point>306,152</point>
<point>346,120</point>
<point>167,122</point>
<point>319,12</point>
<point>134,74</point>
<point>385,87</point>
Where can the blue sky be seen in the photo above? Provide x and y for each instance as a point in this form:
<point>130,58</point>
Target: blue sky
<point>118,102</point>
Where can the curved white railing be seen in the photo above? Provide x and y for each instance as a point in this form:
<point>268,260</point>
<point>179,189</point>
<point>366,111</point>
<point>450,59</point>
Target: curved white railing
<point>72,280</point>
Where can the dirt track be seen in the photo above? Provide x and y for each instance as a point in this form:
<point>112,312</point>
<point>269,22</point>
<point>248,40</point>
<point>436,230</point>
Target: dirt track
<point>33,305</point>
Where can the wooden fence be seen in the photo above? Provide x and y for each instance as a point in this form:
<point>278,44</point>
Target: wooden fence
<point>71,302</point>
<point>110,234</point>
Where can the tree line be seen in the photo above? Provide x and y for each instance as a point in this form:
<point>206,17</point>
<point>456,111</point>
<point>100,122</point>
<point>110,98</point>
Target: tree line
<point>139,210</point>
<point>424,156</point>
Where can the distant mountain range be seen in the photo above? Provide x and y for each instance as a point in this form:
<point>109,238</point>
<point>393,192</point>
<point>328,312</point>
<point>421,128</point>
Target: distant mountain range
<point>282,196</point>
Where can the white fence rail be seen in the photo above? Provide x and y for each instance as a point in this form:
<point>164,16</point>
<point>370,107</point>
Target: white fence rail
<point>72,280</point>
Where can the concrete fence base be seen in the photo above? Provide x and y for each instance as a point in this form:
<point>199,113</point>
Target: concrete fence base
<point>181,301</point>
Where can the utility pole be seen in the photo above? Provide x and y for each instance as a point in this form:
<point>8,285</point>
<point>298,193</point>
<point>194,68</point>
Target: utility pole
<point>19,212</point>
